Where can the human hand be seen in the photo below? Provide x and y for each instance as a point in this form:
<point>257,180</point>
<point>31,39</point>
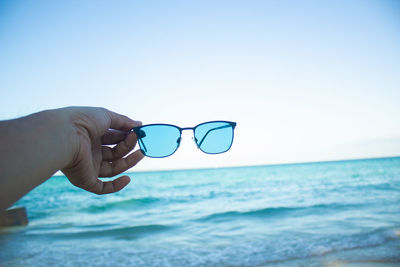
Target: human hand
<point>93,129</point>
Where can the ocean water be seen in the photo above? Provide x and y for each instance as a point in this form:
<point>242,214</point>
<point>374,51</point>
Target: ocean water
<point>344,213</point>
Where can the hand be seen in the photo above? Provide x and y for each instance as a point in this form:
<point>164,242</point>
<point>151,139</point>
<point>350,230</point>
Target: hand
<point>91,157</point>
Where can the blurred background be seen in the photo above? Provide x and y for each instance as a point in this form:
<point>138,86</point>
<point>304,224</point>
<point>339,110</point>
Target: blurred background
<point>304,80</point>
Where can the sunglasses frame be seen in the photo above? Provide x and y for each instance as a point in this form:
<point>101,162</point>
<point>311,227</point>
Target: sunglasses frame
<point>181,129</point>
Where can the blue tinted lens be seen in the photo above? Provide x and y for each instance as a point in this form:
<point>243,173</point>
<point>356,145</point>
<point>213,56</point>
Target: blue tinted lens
<point>214,137</point>
<point>158,140</point>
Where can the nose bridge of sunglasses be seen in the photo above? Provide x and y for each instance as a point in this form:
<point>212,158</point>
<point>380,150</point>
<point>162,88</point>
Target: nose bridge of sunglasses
<point>190,131</point>
<point>185,136</point>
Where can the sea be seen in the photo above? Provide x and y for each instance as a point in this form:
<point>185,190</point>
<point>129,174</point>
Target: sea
<point>339,213</point>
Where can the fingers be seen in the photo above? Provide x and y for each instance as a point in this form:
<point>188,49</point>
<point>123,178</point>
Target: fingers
<point>99,187</point>
<point>111,186</point>
<point>121,149</point>
<point>89,181</point>
<point>109,169</point>
<point>112,137</point>
<point>121,122</point>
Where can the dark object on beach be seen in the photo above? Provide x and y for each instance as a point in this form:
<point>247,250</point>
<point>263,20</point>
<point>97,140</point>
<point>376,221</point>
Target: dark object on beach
<point>13,217</point>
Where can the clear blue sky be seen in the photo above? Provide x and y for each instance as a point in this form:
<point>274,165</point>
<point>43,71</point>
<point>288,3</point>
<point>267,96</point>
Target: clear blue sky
<point>304,80</point>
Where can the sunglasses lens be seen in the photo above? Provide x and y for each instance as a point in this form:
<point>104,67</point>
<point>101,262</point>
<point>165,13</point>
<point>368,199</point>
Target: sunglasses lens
<point>158,141</point>
<point>214,137</point>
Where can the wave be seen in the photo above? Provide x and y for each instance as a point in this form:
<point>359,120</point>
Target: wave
<point>381,187</point>
<point>145,202</point>
<point>369,187</point>
<point>361,240</point>
<point>278,211</point>
<point>128,232</point>
<point>122,204</point>
<point>379,246</point>
<point>374,246</point>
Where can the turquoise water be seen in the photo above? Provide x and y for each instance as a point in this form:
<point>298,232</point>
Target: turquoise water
<point>315,214</point>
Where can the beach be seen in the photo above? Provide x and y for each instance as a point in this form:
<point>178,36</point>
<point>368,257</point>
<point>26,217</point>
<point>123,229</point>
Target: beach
<point>339,213</point>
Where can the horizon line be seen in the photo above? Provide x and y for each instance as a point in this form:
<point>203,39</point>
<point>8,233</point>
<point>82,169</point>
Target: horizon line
<point>262,165</point>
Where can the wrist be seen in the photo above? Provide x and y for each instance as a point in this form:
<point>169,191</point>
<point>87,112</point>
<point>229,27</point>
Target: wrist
<point>62,136</point>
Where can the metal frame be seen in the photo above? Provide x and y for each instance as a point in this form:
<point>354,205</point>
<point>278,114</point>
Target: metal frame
<point>140,134</point>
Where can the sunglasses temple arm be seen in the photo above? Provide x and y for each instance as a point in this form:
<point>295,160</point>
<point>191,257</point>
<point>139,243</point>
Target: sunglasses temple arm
<point>143,145</point>
<point>214,129</point>
<point>140,134</point>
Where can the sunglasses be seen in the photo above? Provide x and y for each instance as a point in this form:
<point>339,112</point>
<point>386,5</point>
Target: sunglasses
<point>162,140</point>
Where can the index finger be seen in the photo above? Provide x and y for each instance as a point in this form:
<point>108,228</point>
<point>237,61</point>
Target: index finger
<point>122,122</point>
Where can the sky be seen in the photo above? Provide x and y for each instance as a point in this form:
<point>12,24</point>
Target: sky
<point>304,80</point>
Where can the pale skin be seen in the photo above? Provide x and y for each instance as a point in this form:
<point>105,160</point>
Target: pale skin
<point>85,143</point>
